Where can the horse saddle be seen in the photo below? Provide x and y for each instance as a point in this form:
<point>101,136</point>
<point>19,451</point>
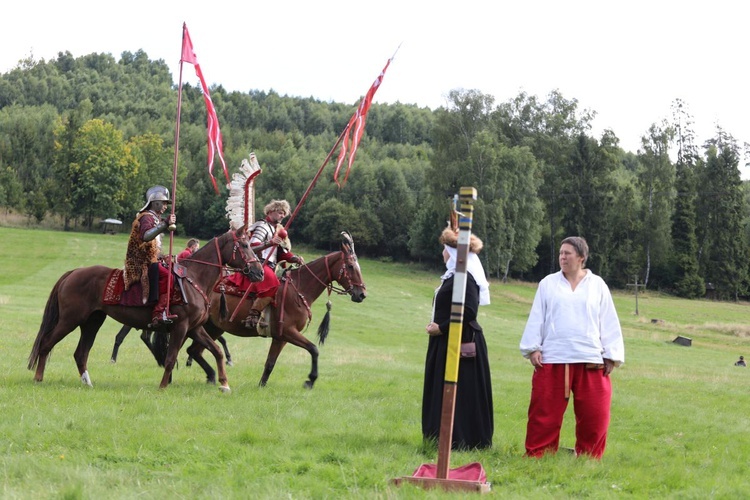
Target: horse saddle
<point>234,284</point>
<point>116,295</point>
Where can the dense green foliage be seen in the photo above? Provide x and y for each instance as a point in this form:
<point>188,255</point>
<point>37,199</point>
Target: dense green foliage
<point>679,419</point>
<point>81,139</point>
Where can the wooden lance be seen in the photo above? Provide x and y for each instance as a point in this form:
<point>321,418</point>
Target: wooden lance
<point>172,228</point>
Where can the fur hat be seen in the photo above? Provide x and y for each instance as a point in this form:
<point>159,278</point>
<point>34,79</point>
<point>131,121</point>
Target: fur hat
<point>277,205</point>
<point>450,237</point>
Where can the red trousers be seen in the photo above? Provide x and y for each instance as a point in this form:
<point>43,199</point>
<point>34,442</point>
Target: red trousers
<point>592,397</point>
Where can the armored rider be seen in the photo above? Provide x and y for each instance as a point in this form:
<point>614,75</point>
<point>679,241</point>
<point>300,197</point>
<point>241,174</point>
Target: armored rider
<point>142,261</point>
<point>269,241</point>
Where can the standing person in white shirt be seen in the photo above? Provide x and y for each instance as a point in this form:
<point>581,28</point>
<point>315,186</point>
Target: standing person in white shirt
<point>574,341</point>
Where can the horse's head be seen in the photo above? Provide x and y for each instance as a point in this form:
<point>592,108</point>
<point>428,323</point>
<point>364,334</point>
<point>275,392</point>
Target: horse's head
<point>241,256</point>
<point>350,275</point>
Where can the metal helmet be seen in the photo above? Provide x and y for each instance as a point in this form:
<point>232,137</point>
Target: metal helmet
<point>156,193</point>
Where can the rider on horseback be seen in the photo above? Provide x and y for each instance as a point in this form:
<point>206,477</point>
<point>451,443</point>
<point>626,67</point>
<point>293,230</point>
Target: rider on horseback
<point>144,253</point>
<point>269,241</point>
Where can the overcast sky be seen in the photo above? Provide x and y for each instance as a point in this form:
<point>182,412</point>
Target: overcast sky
<point>628,61</point>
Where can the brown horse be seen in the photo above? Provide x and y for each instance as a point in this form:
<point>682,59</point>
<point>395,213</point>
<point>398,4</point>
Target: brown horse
<point>154,341</point>
<point>77,301</point>
<point>299,289</point>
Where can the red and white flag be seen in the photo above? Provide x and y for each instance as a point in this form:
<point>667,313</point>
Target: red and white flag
<point>356,128</point>
<point>215,144</point>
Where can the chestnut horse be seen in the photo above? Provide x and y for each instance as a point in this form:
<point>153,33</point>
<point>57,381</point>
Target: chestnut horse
<point>77,301</point>
<point>299,288</point>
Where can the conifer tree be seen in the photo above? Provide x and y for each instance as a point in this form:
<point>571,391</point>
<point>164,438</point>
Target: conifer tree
<point>689,283</point>
<point>725,251</point>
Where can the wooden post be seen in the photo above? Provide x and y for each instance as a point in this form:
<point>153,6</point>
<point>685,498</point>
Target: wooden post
<point>636,285</point>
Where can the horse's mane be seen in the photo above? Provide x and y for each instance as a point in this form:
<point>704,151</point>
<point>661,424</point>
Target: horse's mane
<point>298,270</point>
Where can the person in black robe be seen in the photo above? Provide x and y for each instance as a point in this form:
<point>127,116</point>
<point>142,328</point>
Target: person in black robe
<point>473,424</point>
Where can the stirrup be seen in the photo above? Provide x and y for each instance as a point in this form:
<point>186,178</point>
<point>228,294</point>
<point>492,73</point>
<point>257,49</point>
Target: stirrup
<point>252,320</point>
<point>262,322</point>
<point>165,319</point>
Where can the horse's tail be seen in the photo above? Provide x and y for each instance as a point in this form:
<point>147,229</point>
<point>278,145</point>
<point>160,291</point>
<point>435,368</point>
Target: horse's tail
<point>325,325</point>
<point>49,320</point>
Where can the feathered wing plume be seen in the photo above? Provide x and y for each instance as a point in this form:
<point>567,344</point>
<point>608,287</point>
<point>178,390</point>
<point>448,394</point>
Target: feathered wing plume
<point>241,201</point>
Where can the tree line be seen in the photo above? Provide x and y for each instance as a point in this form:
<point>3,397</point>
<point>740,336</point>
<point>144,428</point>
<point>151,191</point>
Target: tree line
<point>81,139</point>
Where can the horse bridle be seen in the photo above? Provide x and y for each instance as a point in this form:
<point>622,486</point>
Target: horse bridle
<point>235,249</point>
<point>346,258</point>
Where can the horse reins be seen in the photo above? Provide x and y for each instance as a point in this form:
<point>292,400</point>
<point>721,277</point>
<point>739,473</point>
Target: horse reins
<point>342,274</point>
<point>218,254</point>
<point>341,291</point>
<point>220,265</point>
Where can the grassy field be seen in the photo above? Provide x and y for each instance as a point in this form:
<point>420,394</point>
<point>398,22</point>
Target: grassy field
<point>679,426</point>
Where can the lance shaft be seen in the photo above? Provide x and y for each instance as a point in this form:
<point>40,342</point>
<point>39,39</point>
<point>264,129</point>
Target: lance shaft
<point>172,227</point>
<point>315,179</point>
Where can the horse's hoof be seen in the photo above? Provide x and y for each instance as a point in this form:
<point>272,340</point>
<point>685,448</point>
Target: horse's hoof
<point>229,362</point>
<point>86,379</point>
<point>225,389</point>
<point>308,384</point>
<point>211,381</point>
<point>113,361</point>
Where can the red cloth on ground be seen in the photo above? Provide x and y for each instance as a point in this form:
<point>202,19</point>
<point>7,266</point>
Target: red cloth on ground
<point>469,472</point>
<point>592,397</point>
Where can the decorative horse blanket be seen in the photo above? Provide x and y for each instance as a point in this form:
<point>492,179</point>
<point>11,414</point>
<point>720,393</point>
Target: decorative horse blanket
<point>116,295</point>
<point>234,284</point>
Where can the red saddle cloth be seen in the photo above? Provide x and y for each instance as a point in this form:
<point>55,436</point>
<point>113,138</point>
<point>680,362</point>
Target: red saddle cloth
<point>234,284</point>
<point>116,295</point>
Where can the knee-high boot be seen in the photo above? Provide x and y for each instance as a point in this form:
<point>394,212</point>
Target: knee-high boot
<point>160,316</point>
<point>153,282</point>
<point>256,309</point>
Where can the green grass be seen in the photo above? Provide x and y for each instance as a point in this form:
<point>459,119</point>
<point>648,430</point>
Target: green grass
<point>679,426</point>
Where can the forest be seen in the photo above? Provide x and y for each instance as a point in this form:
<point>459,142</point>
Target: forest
<point>83,138</point>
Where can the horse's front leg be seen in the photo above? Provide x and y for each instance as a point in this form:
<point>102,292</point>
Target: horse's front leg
<point>201,337</point>
<point>195,352</point>
<point>223,343</point>
<point>118,341</point>
<point>176,338</point>
<point>294,337</point>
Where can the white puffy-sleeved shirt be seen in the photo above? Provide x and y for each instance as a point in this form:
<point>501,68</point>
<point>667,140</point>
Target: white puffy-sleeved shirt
<point>570,326</point>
